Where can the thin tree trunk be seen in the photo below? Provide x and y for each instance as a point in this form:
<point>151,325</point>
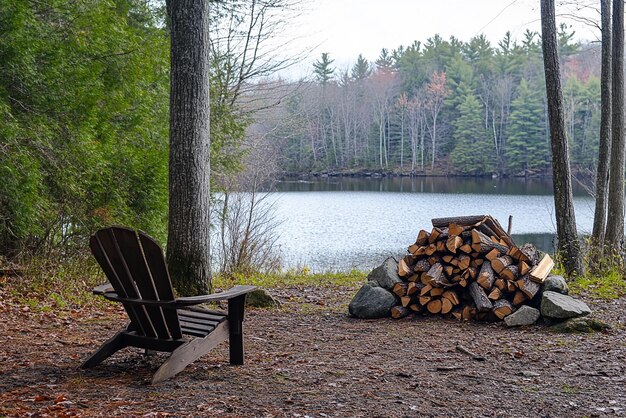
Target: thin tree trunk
<point>604,152</point>
<point>189,160</point>
<point>569,246</point>
<point>615,216</point>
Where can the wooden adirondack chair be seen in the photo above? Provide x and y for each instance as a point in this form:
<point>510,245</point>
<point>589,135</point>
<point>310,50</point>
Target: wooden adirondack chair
<point>135,266</point>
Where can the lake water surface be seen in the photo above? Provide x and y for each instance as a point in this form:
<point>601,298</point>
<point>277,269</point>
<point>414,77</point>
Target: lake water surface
<point>344,223</point>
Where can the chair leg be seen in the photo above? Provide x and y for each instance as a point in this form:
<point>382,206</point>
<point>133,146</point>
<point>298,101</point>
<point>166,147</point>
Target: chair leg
<point>107,349</point>
<point>189,352</point>
<point>236,308</point>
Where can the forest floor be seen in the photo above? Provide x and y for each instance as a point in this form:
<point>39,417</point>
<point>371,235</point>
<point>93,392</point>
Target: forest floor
<point>308,358</point>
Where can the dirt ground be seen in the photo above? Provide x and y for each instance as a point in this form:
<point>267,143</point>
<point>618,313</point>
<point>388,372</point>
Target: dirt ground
<point>309,359</point>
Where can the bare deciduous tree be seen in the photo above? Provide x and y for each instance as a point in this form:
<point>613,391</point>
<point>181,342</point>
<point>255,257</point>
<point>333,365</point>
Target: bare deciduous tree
<point>569,246</point>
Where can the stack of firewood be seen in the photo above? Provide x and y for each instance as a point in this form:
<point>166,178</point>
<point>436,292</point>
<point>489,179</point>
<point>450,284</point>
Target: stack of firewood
<point>470,268</point>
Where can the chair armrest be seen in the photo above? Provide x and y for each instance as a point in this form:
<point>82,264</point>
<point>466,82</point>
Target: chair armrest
<point>181,302</point>
<point>225,295</point>
<point>103,288</point>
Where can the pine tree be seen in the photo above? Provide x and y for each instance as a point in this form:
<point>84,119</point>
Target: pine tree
<point>323,70</point>
<point>473,153</point>
<point>361,70</point>
<point>527,148</point>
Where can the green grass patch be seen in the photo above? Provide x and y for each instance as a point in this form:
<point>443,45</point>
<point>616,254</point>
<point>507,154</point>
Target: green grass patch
<point>606,285</point>
<point>293,278</point>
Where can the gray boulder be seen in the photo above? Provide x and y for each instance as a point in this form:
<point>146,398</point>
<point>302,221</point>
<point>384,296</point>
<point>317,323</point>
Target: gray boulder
<point>558,306</point>
<point>525,315</point>
<point>260,298</point>
<point>372,302</point>
<point>581,325</point>
<point>556,284</point>
<point>385,275</point>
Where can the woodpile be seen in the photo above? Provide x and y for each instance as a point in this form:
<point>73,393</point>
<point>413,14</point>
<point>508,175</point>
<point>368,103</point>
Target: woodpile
<point>469,268</point>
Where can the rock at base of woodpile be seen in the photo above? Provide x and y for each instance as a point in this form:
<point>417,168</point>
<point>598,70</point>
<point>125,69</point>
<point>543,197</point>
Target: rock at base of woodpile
<point>385,275</point>
<point>260,298</point>
<point>581,325</point>
<point>525,315</point>
<point>556,284</point>
<point>371,302</point>
<point>557,306</point>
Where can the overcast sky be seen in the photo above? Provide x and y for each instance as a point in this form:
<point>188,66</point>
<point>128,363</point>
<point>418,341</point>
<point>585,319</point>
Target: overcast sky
<point>346,28</point>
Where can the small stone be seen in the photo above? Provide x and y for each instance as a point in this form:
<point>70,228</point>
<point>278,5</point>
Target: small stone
<point>260,298</point>
<point>525,315</point>
<point>372,302</point>
<point>386,275</point>
<point>556,284</point>
<point>581,325</point>
<point>556,305</point>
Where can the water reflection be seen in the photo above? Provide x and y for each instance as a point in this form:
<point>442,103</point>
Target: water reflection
<point>456,185</point>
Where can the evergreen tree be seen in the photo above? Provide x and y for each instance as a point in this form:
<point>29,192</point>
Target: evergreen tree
<point>473,152</point>
<point>361,69</point>
<point>323,70</point>
<point>527,147</point>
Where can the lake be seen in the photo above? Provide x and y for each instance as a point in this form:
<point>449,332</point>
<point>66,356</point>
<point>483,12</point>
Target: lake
<point>341,223</point>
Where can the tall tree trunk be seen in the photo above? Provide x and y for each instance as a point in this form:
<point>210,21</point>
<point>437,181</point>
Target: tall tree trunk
<point>189,160</point>
<point>569,246</point>
<point>604,152</point>
<point>615,216</point>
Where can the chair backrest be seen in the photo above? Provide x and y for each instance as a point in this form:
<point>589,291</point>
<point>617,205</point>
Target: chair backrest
<point>134,264</point>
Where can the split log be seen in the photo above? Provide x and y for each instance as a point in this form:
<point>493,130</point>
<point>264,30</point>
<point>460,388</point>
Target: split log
<point>495,294</point>
<point>493,254</point>
<point>446,306</point>
<point>413,288</point>
<point>500,263</point>
<point>452,296</point>
<point>523,268</point>
<point>422,237</point>
<point>455,229</point>
<point>434,274</point>
<point>421,265</point>
<point>466,248</point>
<point>413,277</point>
<point>400,289</point>
<point>434,235</point>
<point>519,298</point>
<point>436,291</point>
<point>403,268</point>
<point>481,300</point>
<point>500,284</point>
<point>425,290</point>
<point>481,243</point>
<point>431,249</point>
<point>447,269</point>
<point>509,273</point>
<point>486,277</point>
<point>502,308</point>
<point>531,254</point>
<point>423,300</point>
<point>416,307</point>
<point>477,262</point>
<point>511,286</point>
<point>464,261</point>
<point>453,243</point>
<point>407,300</point>
<point>398,312</point>
<point>542,269</point>
<point>527,286</point>
<point>434,306</point>
<point>447,258</point>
